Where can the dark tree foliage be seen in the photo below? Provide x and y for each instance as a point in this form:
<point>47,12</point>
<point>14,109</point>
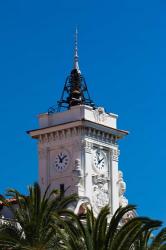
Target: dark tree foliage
<point>44,222</point>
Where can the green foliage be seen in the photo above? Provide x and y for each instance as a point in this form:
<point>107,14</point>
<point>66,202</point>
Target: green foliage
<point>92,233</point>
<point>148,242</point>
<point>45,223</point>
<point>38,219</point>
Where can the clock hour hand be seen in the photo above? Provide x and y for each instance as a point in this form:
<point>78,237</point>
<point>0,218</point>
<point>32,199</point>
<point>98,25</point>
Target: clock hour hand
<point>100,160</point>
<point>60,159</point>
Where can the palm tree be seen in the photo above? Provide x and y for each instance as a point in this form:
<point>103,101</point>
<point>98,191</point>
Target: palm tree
<point>147,241</point>
<point>34,225</point>
<point>43,222</point>
<point>93,233</point>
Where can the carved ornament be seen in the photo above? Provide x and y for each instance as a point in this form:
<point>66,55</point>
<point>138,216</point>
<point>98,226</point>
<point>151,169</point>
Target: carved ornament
<point>100,196</point>
<point>122,189</point>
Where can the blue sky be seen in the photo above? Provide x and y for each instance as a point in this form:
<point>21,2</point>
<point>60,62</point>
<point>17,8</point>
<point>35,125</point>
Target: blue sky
<point>122,49</point>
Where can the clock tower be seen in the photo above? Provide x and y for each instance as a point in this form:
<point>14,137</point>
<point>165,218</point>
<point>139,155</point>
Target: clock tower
<point>78,147</point>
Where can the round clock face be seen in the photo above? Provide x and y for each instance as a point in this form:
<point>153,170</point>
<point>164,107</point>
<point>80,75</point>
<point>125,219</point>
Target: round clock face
<point>99,160</point>
<point>61,161</point>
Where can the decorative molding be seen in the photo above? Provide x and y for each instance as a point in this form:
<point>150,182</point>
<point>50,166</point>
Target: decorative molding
<point>77,169</point>
<point>64,134</point>
<point>79,178</point>
<point>100,136</point>
<point>115,154</point>
<point>100,115</point>
<point>87,146</point>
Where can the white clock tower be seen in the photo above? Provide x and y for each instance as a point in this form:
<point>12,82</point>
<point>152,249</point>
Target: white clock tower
<point>78,149</point>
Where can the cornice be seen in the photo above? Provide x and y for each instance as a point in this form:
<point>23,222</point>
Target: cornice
<point>91,126</point>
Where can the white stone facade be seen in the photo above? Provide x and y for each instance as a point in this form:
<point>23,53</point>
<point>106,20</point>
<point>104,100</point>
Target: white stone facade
<point>78,150</point>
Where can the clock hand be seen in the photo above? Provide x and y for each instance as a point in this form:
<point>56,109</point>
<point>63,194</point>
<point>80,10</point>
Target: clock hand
<point>97,155</point>
<point>64,157</point>
<point>60,159</point>
<point>100,160</point>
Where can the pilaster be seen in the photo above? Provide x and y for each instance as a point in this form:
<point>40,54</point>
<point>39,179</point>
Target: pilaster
<point>114,156</point>
<point>87,148</point>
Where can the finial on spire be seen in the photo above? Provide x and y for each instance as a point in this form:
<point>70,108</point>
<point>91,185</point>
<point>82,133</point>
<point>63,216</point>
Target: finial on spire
<point>76,65</point>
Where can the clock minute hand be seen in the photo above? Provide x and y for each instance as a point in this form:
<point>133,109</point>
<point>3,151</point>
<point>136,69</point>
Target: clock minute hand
<point>64,157</point>
<point>97,155</point>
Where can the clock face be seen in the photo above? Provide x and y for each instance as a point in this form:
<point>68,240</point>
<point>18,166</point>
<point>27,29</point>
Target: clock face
<point>99,160</point>
<point>61,161</point>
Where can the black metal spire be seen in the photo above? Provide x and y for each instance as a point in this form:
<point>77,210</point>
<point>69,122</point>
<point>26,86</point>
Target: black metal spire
<point>75,91</point>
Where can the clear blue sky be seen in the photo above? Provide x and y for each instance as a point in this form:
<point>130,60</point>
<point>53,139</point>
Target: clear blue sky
<point>122,49</point>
